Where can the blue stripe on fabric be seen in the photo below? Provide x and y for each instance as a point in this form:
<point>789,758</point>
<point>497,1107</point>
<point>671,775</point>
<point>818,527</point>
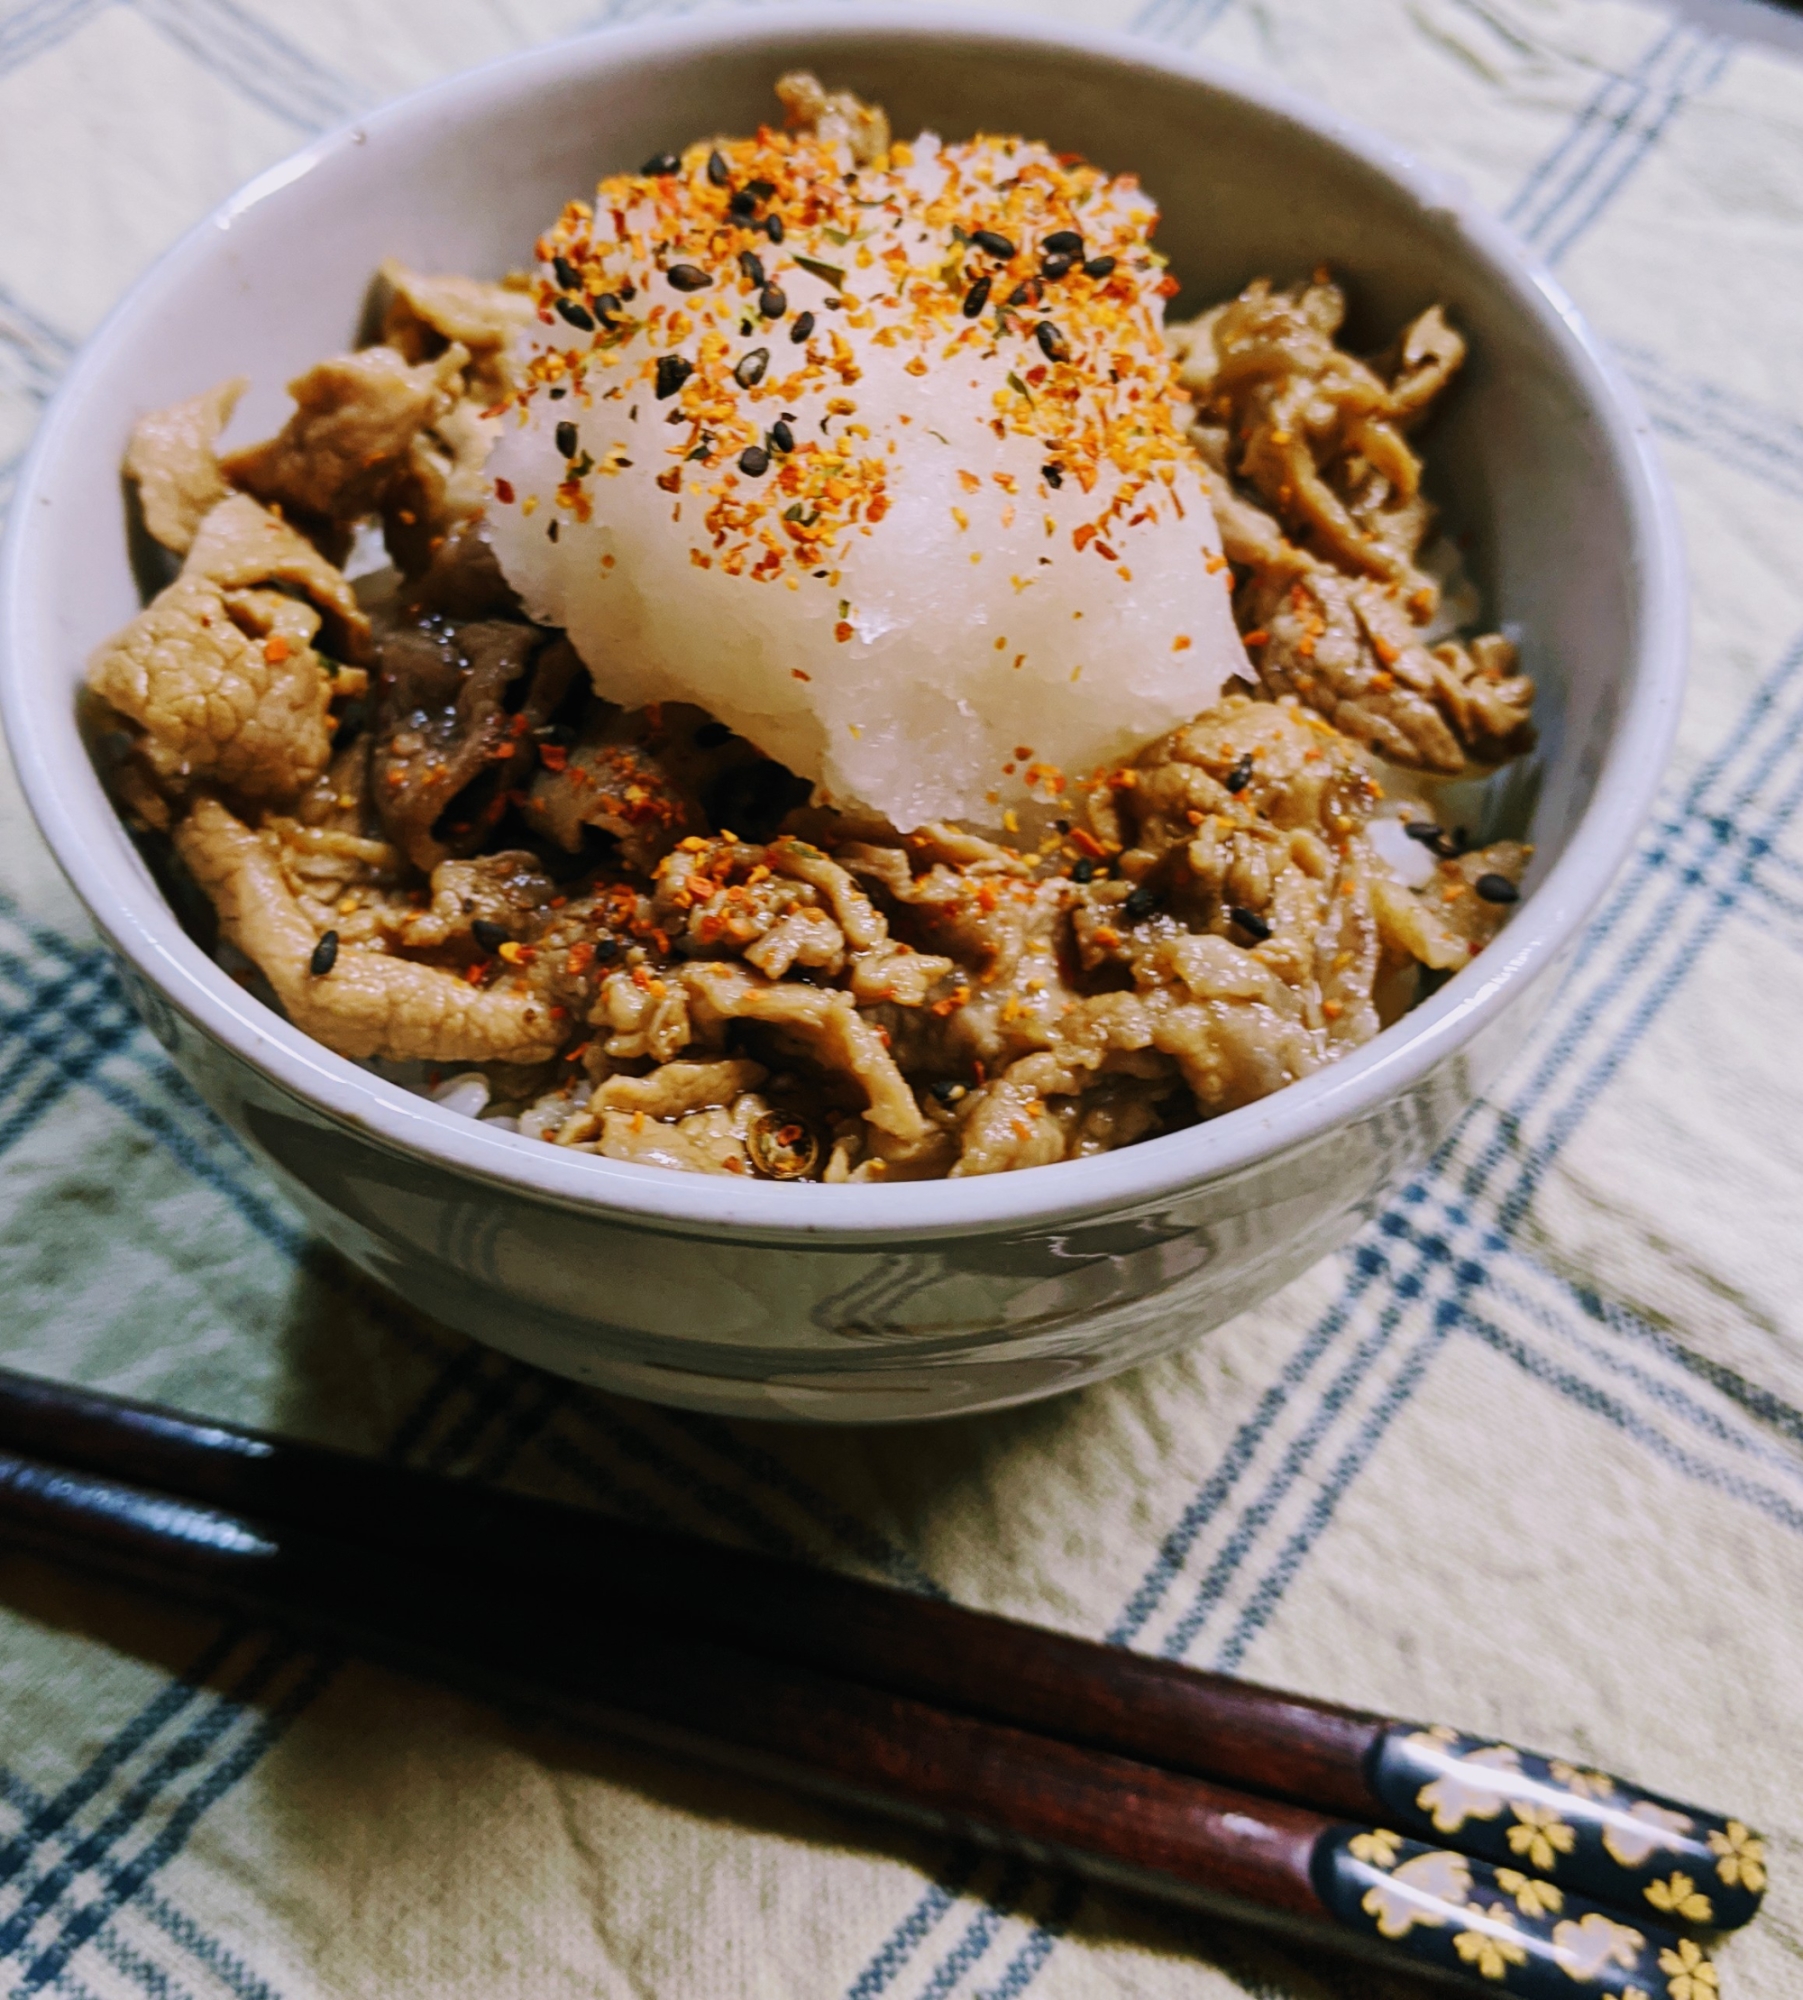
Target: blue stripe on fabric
<point>1023,1968</point>
<point>979,1934</point>
<point>1271,1588</point>
<point>1587,141</point>
<point>144,1973</point>
<point>95,1851</point>
<point>55,1812</point>
<point>1764,1405</point>
<point>1174,1550</point>
<point>1621,1417</point>
<point>201,1734</point>
<point>1183,22</point>
<point>33,356</point>
<point>221,1965</point>
<point>1702,70</point>
<point>1750,438</point>
<point>894,1952</point>
<point>638,1447</point>
<point>262,66</point>
<point>1337,1397</point>
<point>856,1537</point>
<point>207,1952</point>
<point>1788,908</point>
<point>172,1837</point>
<point>35,29</point>
<point>1671,1397</point>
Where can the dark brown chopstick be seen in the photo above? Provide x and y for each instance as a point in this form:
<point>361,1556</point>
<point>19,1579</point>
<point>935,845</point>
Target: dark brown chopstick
<point>1367,1768</point>
<point>1027,1736</point>
<point>599,1666</point>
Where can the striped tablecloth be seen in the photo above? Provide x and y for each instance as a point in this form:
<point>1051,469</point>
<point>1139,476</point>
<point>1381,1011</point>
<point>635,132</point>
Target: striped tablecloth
<point>1528,1456</point>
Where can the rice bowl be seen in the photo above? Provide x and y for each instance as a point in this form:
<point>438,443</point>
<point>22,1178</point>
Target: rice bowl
<point>1158,1240</point>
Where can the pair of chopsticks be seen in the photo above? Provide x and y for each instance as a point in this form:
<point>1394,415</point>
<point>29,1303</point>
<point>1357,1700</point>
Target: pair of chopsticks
<point>1497,1866</point>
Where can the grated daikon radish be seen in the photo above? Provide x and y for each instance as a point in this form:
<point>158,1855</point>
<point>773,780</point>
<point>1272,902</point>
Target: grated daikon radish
<point>879,464</point>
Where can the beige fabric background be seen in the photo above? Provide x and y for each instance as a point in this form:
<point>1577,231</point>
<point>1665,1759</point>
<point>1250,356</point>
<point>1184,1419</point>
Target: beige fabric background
<point>1528,1457</point>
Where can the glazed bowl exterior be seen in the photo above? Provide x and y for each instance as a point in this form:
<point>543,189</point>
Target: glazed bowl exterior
<point>864,1303</point>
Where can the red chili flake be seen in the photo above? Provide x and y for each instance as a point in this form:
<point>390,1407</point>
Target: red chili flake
<point>554,756</point>
<point>504,492</point>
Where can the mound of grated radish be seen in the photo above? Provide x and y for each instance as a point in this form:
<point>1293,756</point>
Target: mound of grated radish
<point>879,464</point>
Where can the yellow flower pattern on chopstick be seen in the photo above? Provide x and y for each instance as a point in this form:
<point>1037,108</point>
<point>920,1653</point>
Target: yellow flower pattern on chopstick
<point>1559,1820</point>
<point>1679,1896</point>
<point>1539,1835</point>
<point>1515,1931</point>
<point>1690,1976</point>
<point>1740,1856</point>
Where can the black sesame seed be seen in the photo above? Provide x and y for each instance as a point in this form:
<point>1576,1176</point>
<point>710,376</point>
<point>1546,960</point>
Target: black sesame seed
<point>773,228</point>
<point>750,371</point>
<point>688,277</point>
<point>1083,871</point>
<point>488,934</point>
<point>1240,776</point>
<point>1448,846</point>
<point>567,274</point>
<point>711,735</point>
<point>1053,473</point>
<point>1051,341</point>
<point>1026,293</point>
<point>753,267</point>
<point>804,325</point>
<point>672,372</point>
<point>760,190</point>
<point>976,298</point>
<point>946,1092</point>
<point>558,394</point>
<point>606,949</point>
<point>754,461</point>
<point>743,203</point>
<point>1140,904</point>
<point>781,437</point>
<point>1063,243</point>
<point>325,955</point>
<point>993,243</point>
<point>771,302</point>
<point>660,164</point>
<point>717,170</point>
<point>567,441</point>
<point>605,307</point>
<point>1099,267</point>
<point>575,314</point>
<point>1055,268</point>
<point>1250,922</point>
<point>1497,889</point>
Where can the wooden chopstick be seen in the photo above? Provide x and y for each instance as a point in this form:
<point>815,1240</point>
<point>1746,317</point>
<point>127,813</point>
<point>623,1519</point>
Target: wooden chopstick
<point>923,1710</point>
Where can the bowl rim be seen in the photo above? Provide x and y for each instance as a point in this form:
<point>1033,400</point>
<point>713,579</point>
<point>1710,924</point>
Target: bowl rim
<point>133,916</point>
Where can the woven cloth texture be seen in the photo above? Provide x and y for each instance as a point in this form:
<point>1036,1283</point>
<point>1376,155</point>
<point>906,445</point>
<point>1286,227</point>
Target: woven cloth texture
<point>1527,1457</point>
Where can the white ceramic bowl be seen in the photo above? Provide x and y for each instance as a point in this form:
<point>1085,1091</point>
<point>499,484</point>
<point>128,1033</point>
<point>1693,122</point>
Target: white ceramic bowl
<point>862,1303</point>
